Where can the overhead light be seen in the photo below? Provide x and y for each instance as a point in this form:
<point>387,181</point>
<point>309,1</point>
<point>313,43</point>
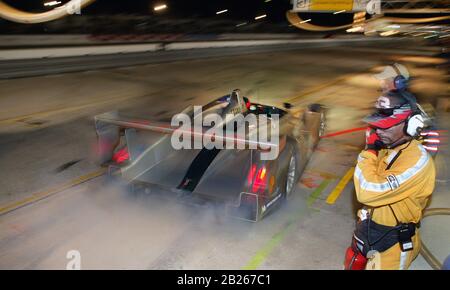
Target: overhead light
<point>222,11</point>
<point>52,3</point>
<point>340,11</point>
<point>389,33</point>
<point>355,29</point>
<point>304,21</point>
<point>433,26</point>
<point>394,26</point>
<point>260,16</point>
<point>241,24</point>
<point>160,7</point>
<point>429,36</point>
<point>267,1</point>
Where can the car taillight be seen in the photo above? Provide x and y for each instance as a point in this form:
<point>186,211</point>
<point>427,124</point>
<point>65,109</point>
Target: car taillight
<point>121,156</point>
<point>261,174</point>
<point>260,180</point>
<point>257,179</point>
<point>251,174</point>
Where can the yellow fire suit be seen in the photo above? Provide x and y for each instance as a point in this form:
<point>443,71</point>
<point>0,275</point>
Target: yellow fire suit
<point>406,187</point>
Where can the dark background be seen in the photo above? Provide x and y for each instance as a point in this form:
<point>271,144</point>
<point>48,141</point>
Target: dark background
<point>181,16</point>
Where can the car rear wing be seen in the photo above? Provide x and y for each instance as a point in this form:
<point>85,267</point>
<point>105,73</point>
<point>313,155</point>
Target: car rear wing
<point>111,126</point>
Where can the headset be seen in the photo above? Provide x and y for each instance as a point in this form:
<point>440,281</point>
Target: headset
<point>415,123</point>
<point>400,82</point>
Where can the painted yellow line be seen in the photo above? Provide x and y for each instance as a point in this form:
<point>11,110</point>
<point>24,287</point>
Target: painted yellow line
<point>316,193</point>
<point>323,174</point>
<point>262,254</point>
<point>328,84</point>
<point>334,195</point>
<point>61,110</point>
<point>318,88</point>
<point>276,239</point>
<point>44,194</point>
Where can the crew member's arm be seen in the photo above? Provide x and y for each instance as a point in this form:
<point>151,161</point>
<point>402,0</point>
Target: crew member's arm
<point>408,173</point>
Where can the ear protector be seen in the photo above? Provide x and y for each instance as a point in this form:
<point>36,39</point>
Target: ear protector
<point>415,123</point>
<point>400,82</point>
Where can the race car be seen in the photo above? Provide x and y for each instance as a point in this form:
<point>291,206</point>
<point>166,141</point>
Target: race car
<point>141,153</point>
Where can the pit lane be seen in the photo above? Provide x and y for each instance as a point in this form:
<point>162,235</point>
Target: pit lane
<point>114,229</point>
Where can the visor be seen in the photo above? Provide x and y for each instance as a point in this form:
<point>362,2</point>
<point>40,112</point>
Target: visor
<point>391,71</point>
<point>387,73</point>
<point>384,121</point>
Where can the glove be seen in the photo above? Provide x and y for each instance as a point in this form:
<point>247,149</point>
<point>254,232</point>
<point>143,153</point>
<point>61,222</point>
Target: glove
<point>373,142</point>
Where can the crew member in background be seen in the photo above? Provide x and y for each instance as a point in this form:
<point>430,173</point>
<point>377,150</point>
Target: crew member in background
<point>396,77</point>
<point>394,179</point>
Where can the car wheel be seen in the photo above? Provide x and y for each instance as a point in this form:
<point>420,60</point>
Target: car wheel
<point>291,176</point>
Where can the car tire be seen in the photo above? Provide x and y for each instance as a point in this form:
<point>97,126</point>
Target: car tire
<point>292,174</point>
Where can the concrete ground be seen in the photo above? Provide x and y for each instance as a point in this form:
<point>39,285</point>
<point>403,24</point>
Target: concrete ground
<point>436,229</point>
<point>47,136</point>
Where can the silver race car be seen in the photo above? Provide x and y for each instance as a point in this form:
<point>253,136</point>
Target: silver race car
<point>141,153</point>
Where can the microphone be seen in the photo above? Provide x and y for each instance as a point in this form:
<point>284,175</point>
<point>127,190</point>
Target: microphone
<point>379,144</point>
